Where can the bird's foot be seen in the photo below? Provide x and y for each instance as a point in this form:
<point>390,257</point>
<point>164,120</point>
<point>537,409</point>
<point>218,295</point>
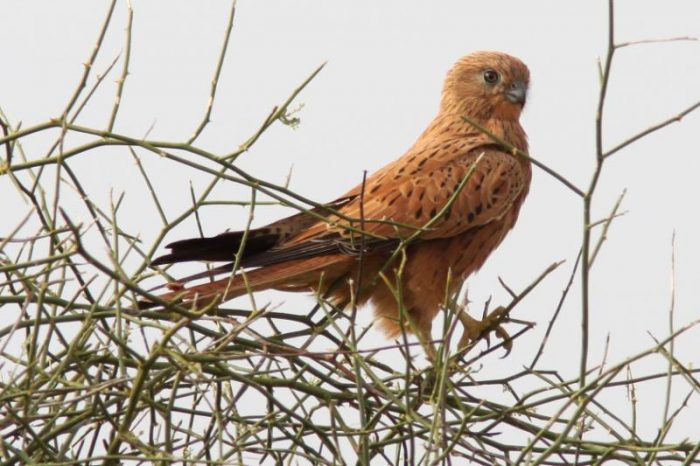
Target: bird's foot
<point>475,330</point>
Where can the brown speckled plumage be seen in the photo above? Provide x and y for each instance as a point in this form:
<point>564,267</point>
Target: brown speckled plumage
<point>294,253</point>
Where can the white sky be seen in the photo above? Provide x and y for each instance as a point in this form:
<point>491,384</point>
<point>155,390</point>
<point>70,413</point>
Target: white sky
<point>386,62</point>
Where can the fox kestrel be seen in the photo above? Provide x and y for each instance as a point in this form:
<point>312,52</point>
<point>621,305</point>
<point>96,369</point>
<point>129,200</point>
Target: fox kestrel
<point>455,183</point>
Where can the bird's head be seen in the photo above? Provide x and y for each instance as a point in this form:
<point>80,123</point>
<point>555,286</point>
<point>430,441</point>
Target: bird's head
<point>485,85</point>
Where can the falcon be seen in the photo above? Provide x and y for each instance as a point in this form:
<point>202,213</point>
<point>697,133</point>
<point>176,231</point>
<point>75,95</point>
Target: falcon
<point>446,204</point>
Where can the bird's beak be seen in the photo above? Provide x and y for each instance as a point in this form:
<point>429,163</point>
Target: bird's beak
<point>517,93</point>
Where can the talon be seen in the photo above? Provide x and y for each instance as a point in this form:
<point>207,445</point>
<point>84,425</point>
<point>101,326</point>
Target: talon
<point>474,330</point>
<point>507,342</point>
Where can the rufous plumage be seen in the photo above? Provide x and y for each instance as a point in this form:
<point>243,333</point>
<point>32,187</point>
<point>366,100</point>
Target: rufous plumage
<point>454,210</point>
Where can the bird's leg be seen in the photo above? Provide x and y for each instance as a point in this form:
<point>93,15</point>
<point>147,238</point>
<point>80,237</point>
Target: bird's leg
<point>474,330</point>
<point>425,336</point>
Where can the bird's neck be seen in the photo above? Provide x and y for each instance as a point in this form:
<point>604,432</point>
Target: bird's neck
<point>454,124</point>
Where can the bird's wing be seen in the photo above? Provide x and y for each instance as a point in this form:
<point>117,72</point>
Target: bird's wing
<point>463,192</point>
<point>222,247</point>
<point>459,195</point>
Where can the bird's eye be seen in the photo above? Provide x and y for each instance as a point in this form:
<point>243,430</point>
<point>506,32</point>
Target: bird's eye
<point>491,76</point>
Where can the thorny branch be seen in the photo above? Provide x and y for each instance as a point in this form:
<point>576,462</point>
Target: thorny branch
<point>85,378</point>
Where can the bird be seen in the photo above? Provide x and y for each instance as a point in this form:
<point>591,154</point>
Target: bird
<point>445,204</point>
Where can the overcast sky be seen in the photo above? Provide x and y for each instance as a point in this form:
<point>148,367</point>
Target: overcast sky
<point>380,88</point>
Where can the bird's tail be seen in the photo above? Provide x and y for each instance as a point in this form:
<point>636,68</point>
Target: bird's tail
<point>293,274</point>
